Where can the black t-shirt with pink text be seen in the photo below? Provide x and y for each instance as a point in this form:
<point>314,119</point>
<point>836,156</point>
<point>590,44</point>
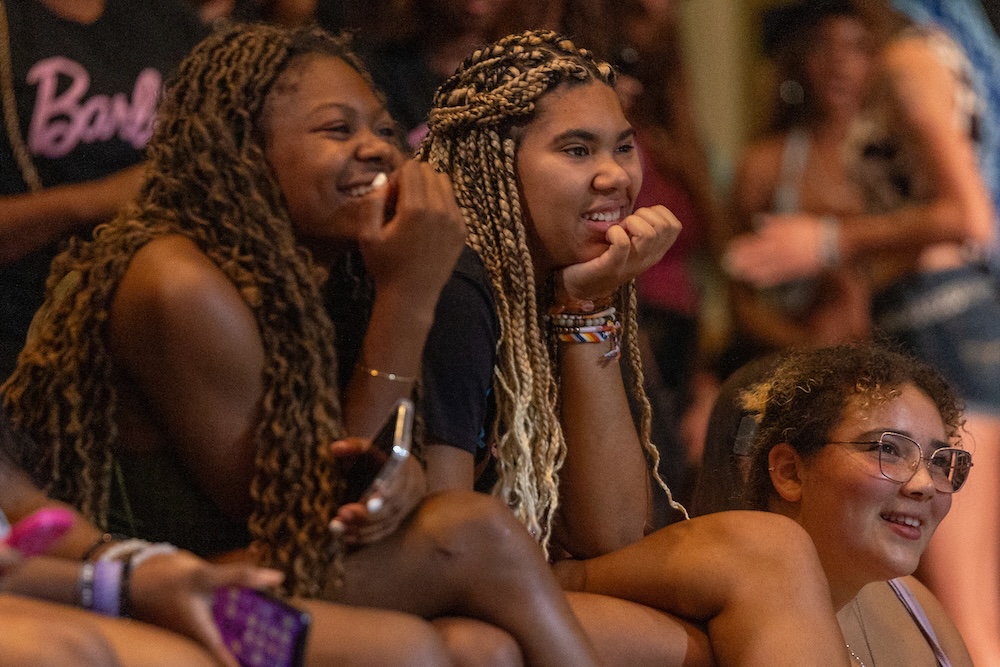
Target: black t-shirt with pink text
<point>86,101</point>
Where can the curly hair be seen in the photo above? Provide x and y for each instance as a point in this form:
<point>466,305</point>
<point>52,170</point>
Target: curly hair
<point>474,139</point>
<point>809,390</point>
<point>208,180</point>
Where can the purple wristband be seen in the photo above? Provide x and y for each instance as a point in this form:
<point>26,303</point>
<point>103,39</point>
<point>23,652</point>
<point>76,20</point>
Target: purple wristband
<point>107,587</point>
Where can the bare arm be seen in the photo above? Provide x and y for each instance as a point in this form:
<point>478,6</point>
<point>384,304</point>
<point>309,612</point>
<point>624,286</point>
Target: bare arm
<point>173,590</point>
<point>960,211</point>
<point>753,194</point>
<point>448,468</point>
<point>191,344</point>
<point>604,494</point>
<point>410,257</point>
<point>924,93</point>
<point>19,497</point>
<point>604,490</point>
<point>32,221</point>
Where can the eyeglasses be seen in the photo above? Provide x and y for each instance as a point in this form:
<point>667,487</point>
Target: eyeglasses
<point>899,456</point>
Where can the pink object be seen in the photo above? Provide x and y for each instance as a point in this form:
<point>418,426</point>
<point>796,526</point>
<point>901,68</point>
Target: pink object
<point>40,531</point>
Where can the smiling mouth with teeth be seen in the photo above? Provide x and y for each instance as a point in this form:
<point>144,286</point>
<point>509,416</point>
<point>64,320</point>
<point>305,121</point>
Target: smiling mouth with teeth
<point>361,190</point>
<point>603,217</point>
<point>904,520</point>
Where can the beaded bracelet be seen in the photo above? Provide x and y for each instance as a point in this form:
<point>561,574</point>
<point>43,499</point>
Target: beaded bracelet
<point>604,327</point>
<point>609,330</point>
<point>583,337</point>
<point>576,320</point>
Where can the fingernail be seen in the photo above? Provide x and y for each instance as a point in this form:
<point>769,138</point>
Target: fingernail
<point>337,527</point>
<point>379,180</point>
<point>374,504</point>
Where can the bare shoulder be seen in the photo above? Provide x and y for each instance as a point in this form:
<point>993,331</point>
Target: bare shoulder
<point>173,299</point>
<point>911,52</point>
<point>947,633</point>
<point>171,270</point>
<point>921,83</point>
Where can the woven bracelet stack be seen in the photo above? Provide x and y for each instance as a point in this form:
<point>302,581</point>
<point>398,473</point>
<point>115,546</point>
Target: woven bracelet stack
<point>587,328</point>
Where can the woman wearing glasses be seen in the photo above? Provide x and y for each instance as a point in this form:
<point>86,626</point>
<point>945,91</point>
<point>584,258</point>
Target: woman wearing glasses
<point>860,446</point>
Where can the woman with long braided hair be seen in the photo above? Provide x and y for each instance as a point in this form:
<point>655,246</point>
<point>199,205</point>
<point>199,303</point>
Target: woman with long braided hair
<point>579,266</point>
<point>181,378</point>
<point>544,168</point>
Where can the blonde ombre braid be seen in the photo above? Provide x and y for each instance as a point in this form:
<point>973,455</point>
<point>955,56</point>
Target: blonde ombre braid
<point>472,138</point>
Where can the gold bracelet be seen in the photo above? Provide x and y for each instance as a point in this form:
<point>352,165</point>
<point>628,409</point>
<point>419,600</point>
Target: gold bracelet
<point>392,377</point>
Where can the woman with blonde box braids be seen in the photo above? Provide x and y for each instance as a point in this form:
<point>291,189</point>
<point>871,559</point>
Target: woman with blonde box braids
<point>545,171</point>
<point>181,379</point>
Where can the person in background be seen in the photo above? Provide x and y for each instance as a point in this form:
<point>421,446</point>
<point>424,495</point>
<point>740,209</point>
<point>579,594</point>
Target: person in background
<point>824,54</point>
<point>80,81</point>
<point>968,22</point>
<point>412,47</point>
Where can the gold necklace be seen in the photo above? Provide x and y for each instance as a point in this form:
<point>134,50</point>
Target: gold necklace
<point>864,633</point>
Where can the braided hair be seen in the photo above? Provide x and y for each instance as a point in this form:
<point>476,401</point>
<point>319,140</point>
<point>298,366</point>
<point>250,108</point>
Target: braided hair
<point>473,138</point>
<point>207,180</point>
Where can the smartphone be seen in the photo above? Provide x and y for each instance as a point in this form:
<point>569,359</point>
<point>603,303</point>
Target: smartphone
<point>259,629</point>
<point>38,532</point>
<point>390,448</point>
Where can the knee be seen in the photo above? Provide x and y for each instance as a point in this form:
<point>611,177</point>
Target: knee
<point>474,526</point>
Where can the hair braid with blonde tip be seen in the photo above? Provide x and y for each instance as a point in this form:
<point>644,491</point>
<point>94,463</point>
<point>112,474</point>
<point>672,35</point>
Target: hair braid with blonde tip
<point>207,180</point>
<point>472,138</point>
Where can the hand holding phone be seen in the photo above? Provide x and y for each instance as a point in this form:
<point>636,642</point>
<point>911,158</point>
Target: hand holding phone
<point>384,485</point>
<point>378,464</point>
<point>38,532</point>
<point>260,630</point>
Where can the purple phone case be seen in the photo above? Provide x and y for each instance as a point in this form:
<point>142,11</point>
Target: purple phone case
<point>260,630</point>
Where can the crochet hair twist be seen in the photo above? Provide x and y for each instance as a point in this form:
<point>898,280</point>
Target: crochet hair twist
<point>207,180</point>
